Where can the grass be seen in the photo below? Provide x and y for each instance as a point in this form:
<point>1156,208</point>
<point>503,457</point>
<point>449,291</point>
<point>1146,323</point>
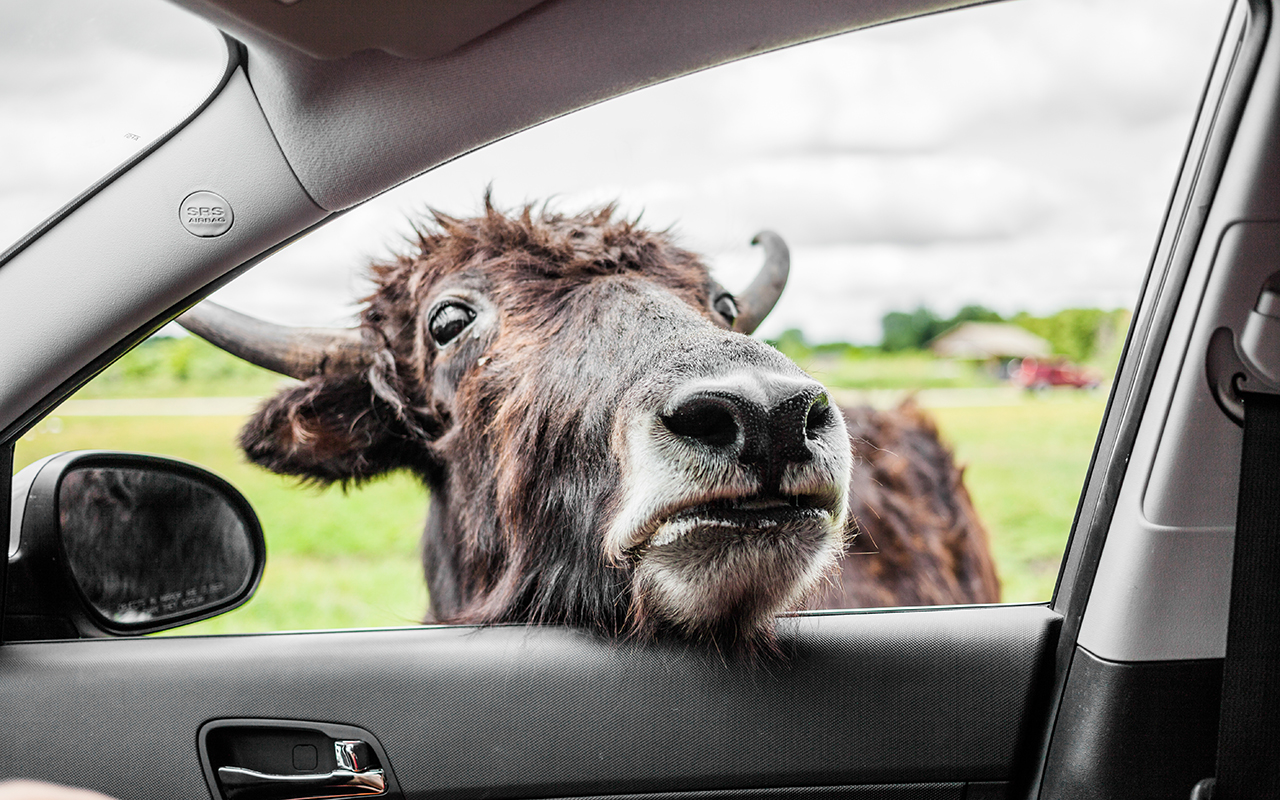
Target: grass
<point>309,592</point>
<point>1025,466</point>
<point>907,370</point>
<point>351,560</point>
<point>179,367</point>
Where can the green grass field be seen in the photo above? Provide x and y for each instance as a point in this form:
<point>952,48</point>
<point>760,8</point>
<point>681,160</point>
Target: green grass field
<point>351,560</point>
<point>911,370</point>
<point>1025,467</point>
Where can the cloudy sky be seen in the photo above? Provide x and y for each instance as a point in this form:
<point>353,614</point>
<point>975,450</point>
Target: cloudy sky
<point>84,85</point>
<point>1017,155</point>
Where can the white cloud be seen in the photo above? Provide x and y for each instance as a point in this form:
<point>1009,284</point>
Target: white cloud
<point>828,199</point>
<point>1017,155</point>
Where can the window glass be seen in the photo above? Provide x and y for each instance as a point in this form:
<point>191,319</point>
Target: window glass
<point>1006,165</point>
<point>86,85</point>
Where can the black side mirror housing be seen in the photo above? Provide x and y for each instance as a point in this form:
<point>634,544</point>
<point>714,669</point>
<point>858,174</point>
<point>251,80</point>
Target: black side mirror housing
<point>120,544</point>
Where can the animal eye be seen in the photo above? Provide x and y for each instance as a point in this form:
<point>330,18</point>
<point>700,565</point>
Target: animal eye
<point>448,321</point>
<point>727,307</point>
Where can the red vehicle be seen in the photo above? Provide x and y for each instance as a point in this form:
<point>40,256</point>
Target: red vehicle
<point>1036,374</point>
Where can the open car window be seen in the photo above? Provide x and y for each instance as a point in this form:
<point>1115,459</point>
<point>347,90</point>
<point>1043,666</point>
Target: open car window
<point>970,202</point>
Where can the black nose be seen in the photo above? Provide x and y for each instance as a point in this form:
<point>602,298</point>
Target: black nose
<point>763,420</point>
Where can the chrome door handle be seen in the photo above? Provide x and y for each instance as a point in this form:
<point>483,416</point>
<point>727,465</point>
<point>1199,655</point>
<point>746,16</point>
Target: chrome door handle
<point>243,784</point>
<point>355,776</point>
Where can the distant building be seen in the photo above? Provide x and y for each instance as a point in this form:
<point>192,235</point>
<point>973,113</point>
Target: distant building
<point>988,341</point>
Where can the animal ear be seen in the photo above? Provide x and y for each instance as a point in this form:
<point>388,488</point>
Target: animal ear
<point>328,429</point>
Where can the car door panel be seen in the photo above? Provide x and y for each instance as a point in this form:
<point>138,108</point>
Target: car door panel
<point>1131,729</point>
<point>927,697</point>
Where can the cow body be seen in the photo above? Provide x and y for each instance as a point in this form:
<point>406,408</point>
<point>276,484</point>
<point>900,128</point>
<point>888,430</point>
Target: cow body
<point>605,449</point>
<point>908,497</point>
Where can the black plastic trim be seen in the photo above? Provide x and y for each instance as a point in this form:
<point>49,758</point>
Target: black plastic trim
<point>872,791</point>
<point>6,490</point>
<point>1135,730</point>
<point>512,712</point>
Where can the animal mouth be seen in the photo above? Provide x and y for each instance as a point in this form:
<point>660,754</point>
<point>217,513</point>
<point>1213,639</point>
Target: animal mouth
<point>755,513</point>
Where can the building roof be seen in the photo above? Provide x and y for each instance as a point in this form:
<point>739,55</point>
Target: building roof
<point>983,340</point>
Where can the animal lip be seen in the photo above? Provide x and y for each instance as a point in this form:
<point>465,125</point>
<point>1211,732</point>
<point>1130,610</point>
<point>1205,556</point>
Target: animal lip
<point>754,512</point>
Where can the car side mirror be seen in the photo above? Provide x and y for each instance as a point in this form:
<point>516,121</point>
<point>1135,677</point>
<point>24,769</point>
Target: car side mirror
<point>120,544</point>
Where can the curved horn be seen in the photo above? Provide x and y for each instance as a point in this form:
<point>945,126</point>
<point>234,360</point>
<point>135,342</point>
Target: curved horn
<point>297,352</point>
<point>758,300</point>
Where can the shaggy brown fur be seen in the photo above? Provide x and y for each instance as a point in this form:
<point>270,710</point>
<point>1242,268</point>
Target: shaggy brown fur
<point>908,496</point>
<point>514,427</point>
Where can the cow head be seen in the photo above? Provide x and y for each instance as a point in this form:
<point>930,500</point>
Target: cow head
<point>603,445</point>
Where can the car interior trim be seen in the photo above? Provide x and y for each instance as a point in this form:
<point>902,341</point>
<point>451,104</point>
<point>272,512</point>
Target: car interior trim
<point>235,58</point>
<point>1166,711</point>
<point>1202,171</point>
<point>918,696</point>
<point>1136,610</point>
<point>326,29</point>
<point>6,469</point>
<point>951,790</point>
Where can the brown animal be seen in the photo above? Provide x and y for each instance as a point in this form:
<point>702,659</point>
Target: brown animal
<point>602,444</point>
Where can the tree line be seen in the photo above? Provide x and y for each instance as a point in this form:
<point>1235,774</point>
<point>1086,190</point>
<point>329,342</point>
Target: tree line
<point>1078,334</point>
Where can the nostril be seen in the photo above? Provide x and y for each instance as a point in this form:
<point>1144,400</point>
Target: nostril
<point>820,416</point>
<point>705,419</point>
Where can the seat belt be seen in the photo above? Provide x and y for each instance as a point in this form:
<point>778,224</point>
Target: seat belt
<point>1248,760</point>
<point>1248,763</point>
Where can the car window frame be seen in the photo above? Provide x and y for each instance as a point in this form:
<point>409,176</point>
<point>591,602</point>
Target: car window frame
<point>1129,390</point>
